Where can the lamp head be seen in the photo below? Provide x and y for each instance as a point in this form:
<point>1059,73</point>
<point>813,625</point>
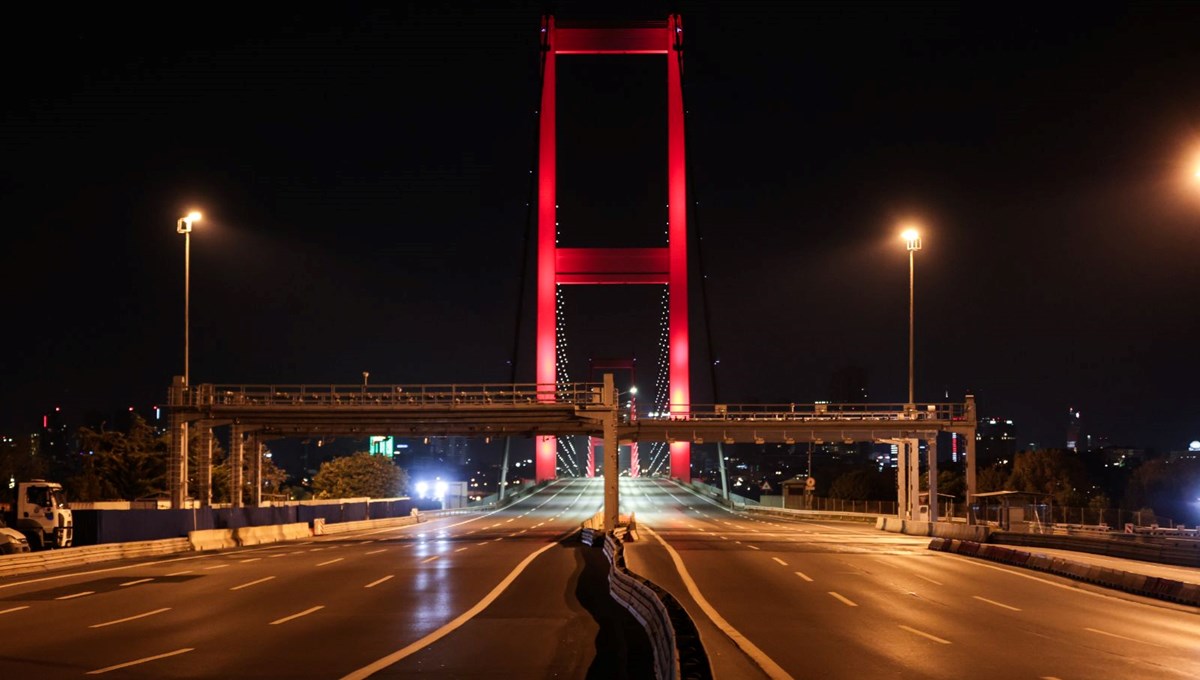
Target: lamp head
<point>912,238</point>
<point>184,225</point>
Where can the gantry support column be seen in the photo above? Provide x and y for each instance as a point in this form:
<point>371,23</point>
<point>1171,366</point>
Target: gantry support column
<point>931,443</point>
<point>237,446</point>
<point>204,465</point>
<point>178,445</point>
<point>971,419</point>
<point>258,451</point>
<point>612,477</point>
<point>913,457</point>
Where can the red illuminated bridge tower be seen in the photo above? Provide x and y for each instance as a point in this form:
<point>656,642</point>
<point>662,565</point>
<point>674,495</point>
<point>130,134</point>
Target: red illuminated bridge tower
<point>600,266</point>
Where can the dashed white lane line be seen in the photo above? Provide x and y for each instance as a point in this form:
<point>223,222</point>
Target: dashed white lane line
<point>129,618</point>
<point>498,538</point>
<point>14,609</point>
<point>134,583</point>
<point>253,583</point>
<point>280,555</point>
<point>925,635</point>
<point>252,559</point>
<point>936,583</point>
<point>780,561</point>
<point>462,548</point>
<point>75,595</point>
<point>1120,637</point>
<point>753,547</point>
<point>136,662</point>
<point>376,552</point>
<point>180,573</point>
<point>483,542</point>
<point>804,576</point>
<point>306,612</point>
<point>216,566</point>
<point>1049,677</point>
<point>337,559</point>
<point>843,599</point>
<point>429,559</point>
<point>374,583</point>
<point>998,604</point>
<point>510,520</point>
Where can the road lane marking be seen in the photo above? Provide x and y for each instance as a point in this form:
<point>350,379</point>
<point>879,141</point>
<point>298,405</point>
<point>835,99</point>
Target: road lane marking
<point>136,662</point>
<point>279,555</point>
<point>376,552</point>
<point>457,622</point>
<point>372,584</point>
<point>252,583</point>
<point>753,547</point>
<point>936,583</point>
<point>998,604</point>
<point>129,618</point>
<point>926,635</point>
<point>216,566</point>
<point>510,520</point>
<point>14,609</point>
<point>252,559</point>
<point>181,573</point>
<point>71,597</point>
<point>1049,677</point>
<point>134,583</point>
<point>462,548</point>
<point>780,561</point>
<point>804,576</point>
<point>306,612</point>
<point>1121,637</point>
<point>499,538</point>
<point>843,599</point>
<point>766,663</point>
<point>338,559</point>
<point>427,560</point>
<point>483,542</point>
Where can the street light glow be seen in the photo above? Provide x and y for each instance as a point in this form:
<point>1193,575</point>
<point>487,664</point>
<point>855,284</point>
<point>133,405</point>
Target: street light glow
<point>910,234</point>
<point>194,216</point>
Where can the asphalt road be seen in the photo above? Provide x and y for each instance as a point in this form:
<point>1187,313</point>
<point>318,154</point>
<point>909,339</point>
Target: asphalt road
<point>379,600</point>
<point>842,600</point>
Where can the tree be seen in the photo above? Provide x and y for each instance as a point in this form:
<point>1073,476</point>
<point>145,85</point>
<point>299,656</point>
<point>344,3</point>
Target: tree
<point>359,475</point>
<point>861,484</point>
<point>119,465</point>
<point>1050,471</point>
<point>274,478</point>
<point>18,463</point>
<point>1169,486</point>
<point>992,478</point>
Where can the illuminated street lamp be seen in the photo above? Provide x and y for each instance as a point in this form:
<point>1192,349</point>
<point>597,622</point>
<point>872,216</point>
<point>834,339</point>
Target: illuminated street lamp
<point>912,240</point>
<point>184,226</point>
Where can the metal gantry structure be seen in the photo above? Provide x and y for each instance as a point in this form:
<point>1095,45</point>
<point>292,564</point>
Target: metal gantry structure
<point>256,413</point>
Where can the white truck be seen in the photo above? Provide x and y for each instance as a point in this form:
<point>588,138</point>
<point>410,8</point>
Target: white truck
<point>41,514</point>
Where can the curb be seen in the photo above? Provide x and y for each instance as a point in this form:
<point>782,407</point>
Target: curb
<point>1168,590</point>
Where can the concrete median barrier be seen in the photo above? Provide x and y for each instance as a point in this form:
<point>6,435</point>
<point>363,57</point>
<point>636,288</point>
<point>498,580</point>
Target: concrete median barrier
<point>73,557</point>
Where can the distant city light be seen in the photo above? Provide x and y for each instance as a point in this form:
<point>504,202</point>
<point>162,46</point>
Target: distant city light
<point>1194,446</point>
<point>422,489</point>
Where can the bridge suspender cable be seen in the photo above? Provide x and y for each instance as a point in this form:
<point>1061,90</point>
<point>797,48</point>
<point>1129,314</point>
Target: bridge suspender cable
<point>543,49</point>
<point>694,223</point>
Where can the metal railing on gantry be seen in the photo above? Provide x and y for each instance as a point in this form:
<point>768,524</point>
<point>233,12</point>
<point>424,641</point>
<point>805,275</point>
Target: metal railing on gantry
<point>438,396</point>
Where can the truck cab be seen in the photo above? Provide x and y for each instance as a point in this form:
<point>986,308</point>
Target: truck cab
<point>41,513</point>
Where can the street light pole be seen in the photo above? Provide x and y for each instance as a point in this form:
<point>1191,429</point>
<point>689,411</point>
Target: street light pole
<point>184,226</point>
<point>913,242</point>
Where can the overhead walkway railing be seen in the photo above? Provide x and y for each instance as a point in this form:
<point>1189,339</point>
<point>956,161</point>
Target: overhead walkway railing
<point>409,396</point>
<point>808,412</point>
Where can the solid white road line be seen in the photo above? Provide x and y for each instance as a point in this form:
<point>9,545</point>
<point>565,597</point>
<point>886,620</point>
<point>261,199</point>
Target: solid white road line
<point>780,561</point>
<point>427,560</point>
<point>135,662</point>
<point>926,635</point>
<point>804,576</point>
<point>376,552</point>
<point>998,604</point>
<point>71,597</point>
<point>450,627</point>
<point>252,583</point>
<point>134,583</point>
<point>306,612</point>
<point>339,559</point>
<point>372,584</point>
<point>759,657</point>
<point>843,599</point>
<point>130,618</point>
<point>14,609</point>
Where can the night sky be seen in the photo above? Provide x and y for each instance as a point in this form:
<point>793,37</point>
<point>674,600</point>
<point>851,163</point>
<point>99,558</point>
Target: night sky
<point>364,172</point>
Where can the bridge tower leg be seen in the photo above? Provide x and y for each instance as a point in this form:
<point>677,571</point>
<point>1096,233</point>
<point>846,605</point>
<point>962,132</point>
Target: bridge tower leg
<point>599,266</point>
<point>591,462</point>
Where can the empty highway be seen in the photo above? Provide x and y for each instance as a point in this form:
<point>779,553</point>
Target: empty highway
<point>466,595</point>
<point>818,599</point>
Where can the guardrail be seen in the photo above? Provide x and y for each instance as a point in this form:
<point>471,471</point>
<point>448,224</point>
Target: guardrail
<point>678,651</point>
<point>1161,549</point>
<point>68,557</point>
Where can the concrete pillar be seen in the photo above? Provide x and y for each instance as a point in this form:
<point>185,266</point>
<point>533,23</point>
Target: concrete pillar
<point>901,476</point>
<point>612,501</point>
<point>177,447</point>
<point>204,465</point>
<point>913,445</point>
<point>258,450</point>
<point>237,444</point>
<point>931,443</point>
